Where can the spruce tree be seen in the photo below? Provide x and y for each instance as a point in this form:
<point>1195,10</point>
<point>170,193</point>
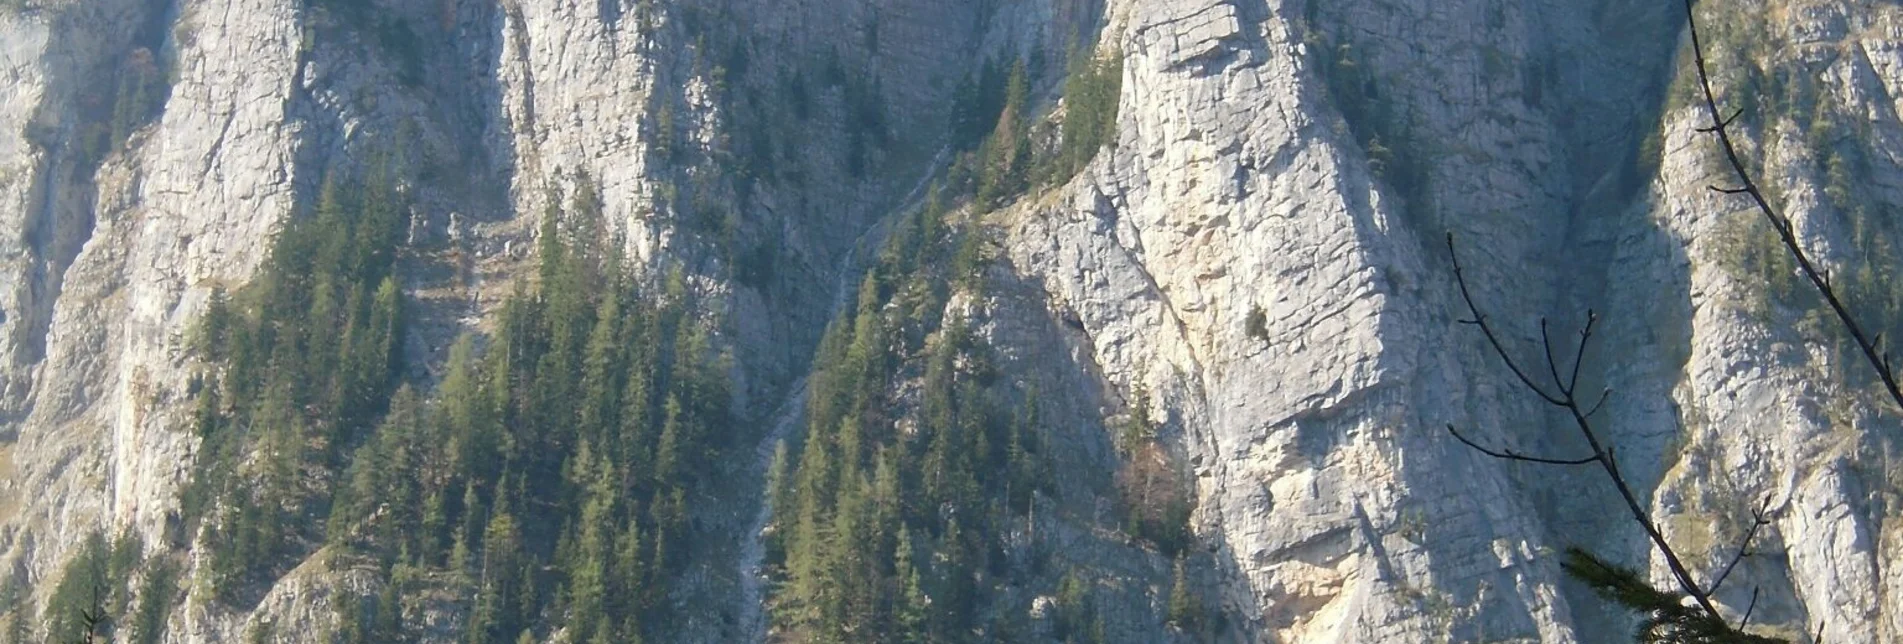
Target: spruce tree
<point>633,595</point>
<point>387,623</point>
<point>1185,609</point>
<point>500,585</point>
<point>77,609</point>
<point>912,605</point>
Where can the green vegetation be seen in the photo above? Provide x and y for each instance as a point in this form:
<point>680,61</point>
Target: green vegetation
<point>1257,324</point>
<point>890,534</point>
<point>993,112</point>
<point>551,473</point>
<point>1776,293</point>
<point>391,33</point>
<point>1873,286</point>
<point>372,620</point>
<point>1155,498</point>
<point>892,516</point>
<point>977,103</point>
<point>136,95</point>
<point>156,593</point>
<point>1384,132</point>
<point>1186,605</point>
<point>1091,93</point>
<point>77,610</point>
<point>548,477</point>
<point>1749,251</point>
<point>1074,616</point>
<point>302,362</point>
<point>1005,158</point>
<point>141,93</point>
<point>1668,617</point>
<point>90,601</point>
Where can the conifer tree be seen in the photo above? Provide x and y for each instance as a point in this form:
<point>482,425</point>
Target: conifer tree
<point>912,605</point>
<point>1185,610</point>
<point>631,572</point>
<point>500,585</point>
<point>387,624</point>
<point>77,609</point>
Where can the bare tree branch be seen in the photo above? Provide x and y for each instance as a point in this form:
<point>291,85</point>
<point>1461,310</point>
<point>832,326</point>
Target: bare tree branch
<point>1552,366</point>
<point>1602,453</point>
<point>1579,355</point>
<point>1819,277</point>
<point>1603,395</point>
<point>1748,609</point>
<point>1727,122</point>
<point>1511,455</point>
<point>1487,330</point>
<point>1760,517</point>
<point>1721,127</point>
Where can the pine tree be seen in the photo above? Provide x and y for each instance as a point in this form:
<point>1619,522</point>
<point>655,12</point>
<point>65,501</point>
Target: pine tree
<point>670,454</point>
<point>912,606</point>
<point>602,369</point>
<point>500,586</point>
<point>1023,471</point>
<point>634,445</point>
<point>780,502</point>
<point>77,610</point>
<point>126,556</point>
<point>1007,154</point>
<point>1074,615</point>
<point>387,624</point>
<point>153,605</point>
<point>633,591</point>
<point>1091,92</point>
<point>462,557</point>
<point>1185,609</point>
<point>957,587</point>
<point>20,624</point>
<point>1666,616</point>
<point>214,326</point>
<point>435,525</point>
<point>346,610</point>
<point>588,574</point>
<point>380,350</point>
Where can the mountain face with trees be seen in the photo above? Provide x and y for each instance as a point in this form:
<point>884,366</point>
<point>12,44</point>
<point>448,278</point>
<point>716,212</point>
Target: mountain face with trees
<point>944,321</point>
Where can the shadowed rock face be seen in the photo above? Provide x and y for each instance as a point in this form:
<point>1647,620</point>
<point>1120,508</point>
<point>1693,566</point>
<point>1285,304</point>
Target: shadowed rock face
<point>1301,159</point>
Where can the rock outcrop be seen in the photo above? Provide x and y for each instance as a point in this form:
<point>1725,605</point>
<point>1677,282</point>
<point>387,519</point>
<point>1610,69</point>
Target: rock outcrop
<point>1288,162</point>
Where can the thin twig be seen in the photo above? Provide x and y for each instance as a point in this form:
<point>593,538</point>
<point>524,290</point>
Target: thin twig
<point>1748,609</point>
<point>1552,366</point>
<point>1511,455</point>
<point>1760,517</point>
<point>1579,355</point>
<point>1487,330</point>
<point>1603,395</point>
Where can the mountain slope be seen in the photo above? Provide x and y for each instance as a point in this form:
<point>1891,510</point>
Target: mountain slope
<point>1252,268</point>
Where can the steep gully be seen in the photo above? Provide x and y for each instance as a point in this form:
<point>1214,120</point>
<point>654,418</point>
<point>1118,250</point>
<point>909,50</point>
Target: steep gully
<point>792,410</point>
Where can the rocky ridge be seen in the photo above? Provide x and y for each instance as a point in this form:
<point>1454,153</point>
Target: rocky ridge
<point>1302,159</point>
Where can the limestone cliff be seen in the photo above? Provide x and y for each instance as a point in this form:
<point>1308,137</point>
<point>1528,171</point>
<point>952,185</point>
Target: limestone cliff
<point>1287,160</point>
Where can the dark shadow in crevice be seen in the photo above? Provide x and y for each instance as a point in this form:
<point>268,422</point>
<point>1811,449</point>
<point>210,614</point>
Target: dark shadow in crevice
<point>92,104</point>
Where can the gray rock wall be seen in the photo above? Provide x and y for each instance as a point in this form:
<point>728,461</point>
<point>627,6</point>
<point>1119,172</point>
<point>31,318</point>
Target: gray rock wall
<point>1300,158</point>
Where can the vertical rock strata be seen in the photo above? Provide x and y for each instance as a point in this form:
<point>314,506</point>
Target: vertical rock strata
<point>1295,162</point>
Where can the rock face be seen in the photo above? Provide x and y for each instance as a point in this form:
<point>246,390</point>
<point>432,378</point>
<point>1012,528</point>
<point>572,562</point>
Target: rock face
<point>1296,163</point>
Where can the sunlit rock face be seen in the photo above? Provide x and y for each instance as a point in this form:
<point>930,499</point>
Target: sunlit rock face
<point>1297,164</point>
